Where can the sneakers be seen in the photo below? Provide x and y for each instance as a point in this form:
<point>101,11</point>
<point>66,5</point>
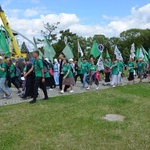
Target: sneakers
<point>71,91</point>
<point>19,91</point>
<point>88,88</point>
<point>46,98</point>
<point>113,86</point>
<point>9,96</point>
<point>61,92</point>
<point>50,89</point>
<point>97,88</point>
<point>24,98</point>
<point>33,101</point>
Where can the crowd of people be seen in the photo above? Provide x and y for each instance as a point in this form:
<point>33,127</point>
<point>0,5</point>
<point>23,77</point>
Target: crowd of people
<point>28,76</point>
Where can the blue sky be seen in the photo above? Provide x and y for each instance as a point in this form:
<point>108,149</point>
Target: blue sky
<point>89,10</point>
<point>101,15</point>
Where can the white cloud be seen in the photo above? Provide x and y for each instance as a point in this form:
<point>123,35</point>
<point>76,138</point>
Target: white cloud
<point>139,18</point>
<point>32,27</point>
<point>30,12</point>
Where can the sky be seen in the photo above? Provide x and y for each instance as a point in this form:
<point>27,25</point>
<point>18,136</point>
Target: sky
<point>84,17</point>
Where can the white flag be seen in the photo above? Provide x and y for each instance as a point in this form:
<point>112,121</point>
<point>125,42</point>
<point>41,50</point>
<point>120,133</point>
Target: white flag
<point>118,53</point>
<point>65,40</point>
<point>100,63</point>
<point>141,55</point>
<point>79,49</point>
<point>133,48</point>
<point>132,54</point>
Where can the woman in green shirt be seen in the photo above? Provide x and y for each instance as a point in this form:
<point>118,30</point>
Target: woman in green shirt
<point>141,68</point>
<point>14,79</point>
<point>131,66</point>
<point>4,89</point>
<point>94,75</point>
<point>68,78</point>
<point>121,67</point>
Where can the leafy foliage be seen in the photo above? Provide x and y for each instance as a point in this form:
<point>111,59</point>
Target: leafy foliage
<point>140,37</point>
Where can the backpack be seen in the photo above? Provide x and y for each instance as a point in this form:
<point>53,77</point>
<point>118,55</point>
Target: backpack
<point>17,72</point>
<point>45,66</point>
<point>8,78</point>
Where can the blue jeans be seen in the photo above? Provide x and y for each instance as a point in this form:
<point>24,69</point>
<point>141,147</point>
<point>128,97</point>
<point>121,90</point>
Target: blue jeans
<point>84,80</point>
<point>4,89</point>
<point>56,78</point>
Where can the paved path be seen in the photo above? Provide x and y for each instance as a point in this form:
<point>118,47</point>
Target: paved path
<point>77,89</point>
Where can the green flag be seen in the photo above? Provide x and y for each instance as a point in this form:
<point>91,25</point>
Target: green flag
<point>4,47</point>
<point>145,58</point>
<point>144,51</point>
<point>107,55</point>
<point>137,53</point>
<point>68,52</point>
<point>79,62</point>
<point>149,53</point>
<point>49,51</point>
<point>95,52</point>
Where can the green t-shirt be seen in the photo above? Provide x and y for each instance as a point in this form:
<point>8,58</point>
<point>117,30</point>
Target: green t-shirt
<point>3,73</point>
<point>65,69</point>
<point>107,64</point>
<point>141,66</point>
<point>79,71</point>
<point>24,70</point>
<point>131,65</point>
<point>38,65</point>
<point>115,68</point>
<point>46,74</point>
<point>85,67</point>
<point>12,70</point>
<point>120,65</point>
<point>93,68</point>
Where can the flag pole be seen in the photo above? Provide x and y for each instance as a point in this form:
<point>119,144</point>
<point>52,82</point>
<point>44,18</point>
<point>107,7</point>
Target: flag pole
<point>77,48</point>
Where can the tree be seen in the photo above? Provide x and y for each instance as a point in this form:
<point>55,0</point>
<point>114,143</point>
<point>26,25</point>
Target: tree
<point>24,48</point>
<point>71,39</point>
<point>140,37</point>
<point>49,29</point>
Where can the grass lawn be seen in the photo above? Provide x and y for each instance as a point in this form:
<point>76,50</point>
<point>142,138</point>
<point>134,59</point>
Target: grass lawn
<point>75,122</point>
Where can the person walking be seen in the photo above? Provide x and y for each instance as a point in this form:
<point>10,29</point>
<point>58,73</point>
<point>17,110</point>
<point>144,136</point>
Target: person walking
<point>38,68</point>
<point>68,78</point>
<point>121,66</point>
<point>115,71</point>
<point>107,66</point>
<point>78,71</point>
<point>4,89</point>
<point>141,67</point>
<point>93,75</point>
<point>56,72</point>
<point>148,71</point>
<point>14,78</point>
<point>85,70</point>
<point>61,73</point>
<point>131,66</point>
<point>29,84</point>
